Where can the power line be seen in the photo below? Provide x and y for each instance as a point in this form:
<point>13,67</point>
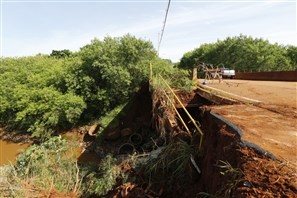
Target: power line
<point>163,26</point>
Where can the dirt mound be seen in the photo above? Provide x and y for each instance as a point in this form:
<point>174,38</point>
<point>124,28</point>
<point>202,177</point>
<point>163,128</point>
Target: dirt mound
<point>266,177</point>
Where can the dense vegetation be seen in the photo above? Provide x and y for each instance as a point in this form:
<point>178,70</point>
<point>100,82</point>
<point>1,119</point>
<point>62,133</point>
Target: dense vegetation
<point>45,93</point>
<point>51,169</point>
<point>243,53</point>
<point>45,170</point>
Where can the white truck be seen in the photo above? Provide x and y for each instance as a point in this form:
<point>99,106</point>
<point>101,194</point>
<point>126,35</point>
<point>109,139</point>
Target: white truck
<point>227,73</point>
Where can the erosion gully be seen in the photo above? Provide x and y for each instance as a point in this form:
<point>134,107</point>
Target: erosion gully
<point>230,166</point>
<point>249,171</point>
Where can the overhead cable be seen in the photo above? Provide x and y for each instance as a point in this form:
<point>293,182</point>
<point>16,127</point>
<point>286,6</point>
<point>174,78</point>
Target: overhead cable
<point>164,24</point>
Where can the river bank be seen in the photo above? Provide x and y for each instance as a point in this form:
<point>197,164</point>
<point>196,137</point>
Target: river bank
<point>12,143</point>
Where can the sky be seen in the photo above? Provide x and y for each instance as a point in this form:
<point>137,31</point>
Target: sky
<point>32,27</point>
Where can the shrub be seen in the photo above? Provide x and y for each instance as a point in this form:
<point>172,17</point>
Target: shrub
<point>105,178</point>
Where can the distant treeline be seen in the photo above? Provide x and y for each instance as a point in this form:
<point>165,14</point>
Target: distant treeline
<point>243,53</point>
<point>43,93</point>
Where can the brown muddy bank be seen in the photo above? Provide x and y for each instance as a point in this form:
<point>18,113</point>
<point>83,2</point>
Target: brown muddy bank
<point>12,144</point>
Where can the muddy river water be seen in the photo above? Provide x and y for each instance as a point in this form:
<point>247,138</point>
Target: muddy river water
<point>9,151</point>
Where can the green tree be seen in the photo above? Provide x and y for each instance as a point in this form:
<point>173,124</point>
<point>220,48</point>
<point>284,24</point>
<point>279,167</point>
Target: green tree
<point>110,71</point>
<point>42,94</point>
<point>31,99</point>
<point>242,53</point>
<point>61,53</point>
<point>292,54</point>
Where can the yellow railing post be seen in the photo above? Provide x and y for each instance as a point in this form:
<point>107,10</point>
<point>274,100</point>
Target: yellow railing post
<point>151,71</point>
<point>182,105</point>
<point>179,116</point>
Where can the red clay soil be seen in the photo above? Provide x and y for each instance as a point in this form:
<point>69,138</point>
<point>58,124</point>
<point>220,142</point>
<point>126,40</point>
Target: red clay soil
<point>253,173</point>
<point>271,131</point>
<point>189,99</point>
<point>261,176</point>
<point>250,174</point>
<point>272,124</point>
<point>267,178</point>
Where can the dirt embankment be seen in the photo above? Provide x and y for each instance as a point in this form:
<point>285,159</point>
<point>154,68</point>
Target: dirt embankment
<point>230,165</point>
<point>271,131</point>
<point>262,175</point>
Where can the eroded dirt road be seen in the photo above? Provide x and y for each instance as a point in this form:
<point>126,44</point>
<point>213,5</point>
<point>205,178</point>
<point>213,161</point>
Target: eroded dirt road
<point>268,92</point>
<point>271,131</point>
<point>271,123</point>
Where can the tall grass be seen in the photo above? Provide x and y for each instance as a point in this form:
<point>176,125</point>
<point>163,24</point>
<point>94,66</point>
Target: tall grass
<point>172,162</point>
<point>101,181</point>
<point>46,170</point>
